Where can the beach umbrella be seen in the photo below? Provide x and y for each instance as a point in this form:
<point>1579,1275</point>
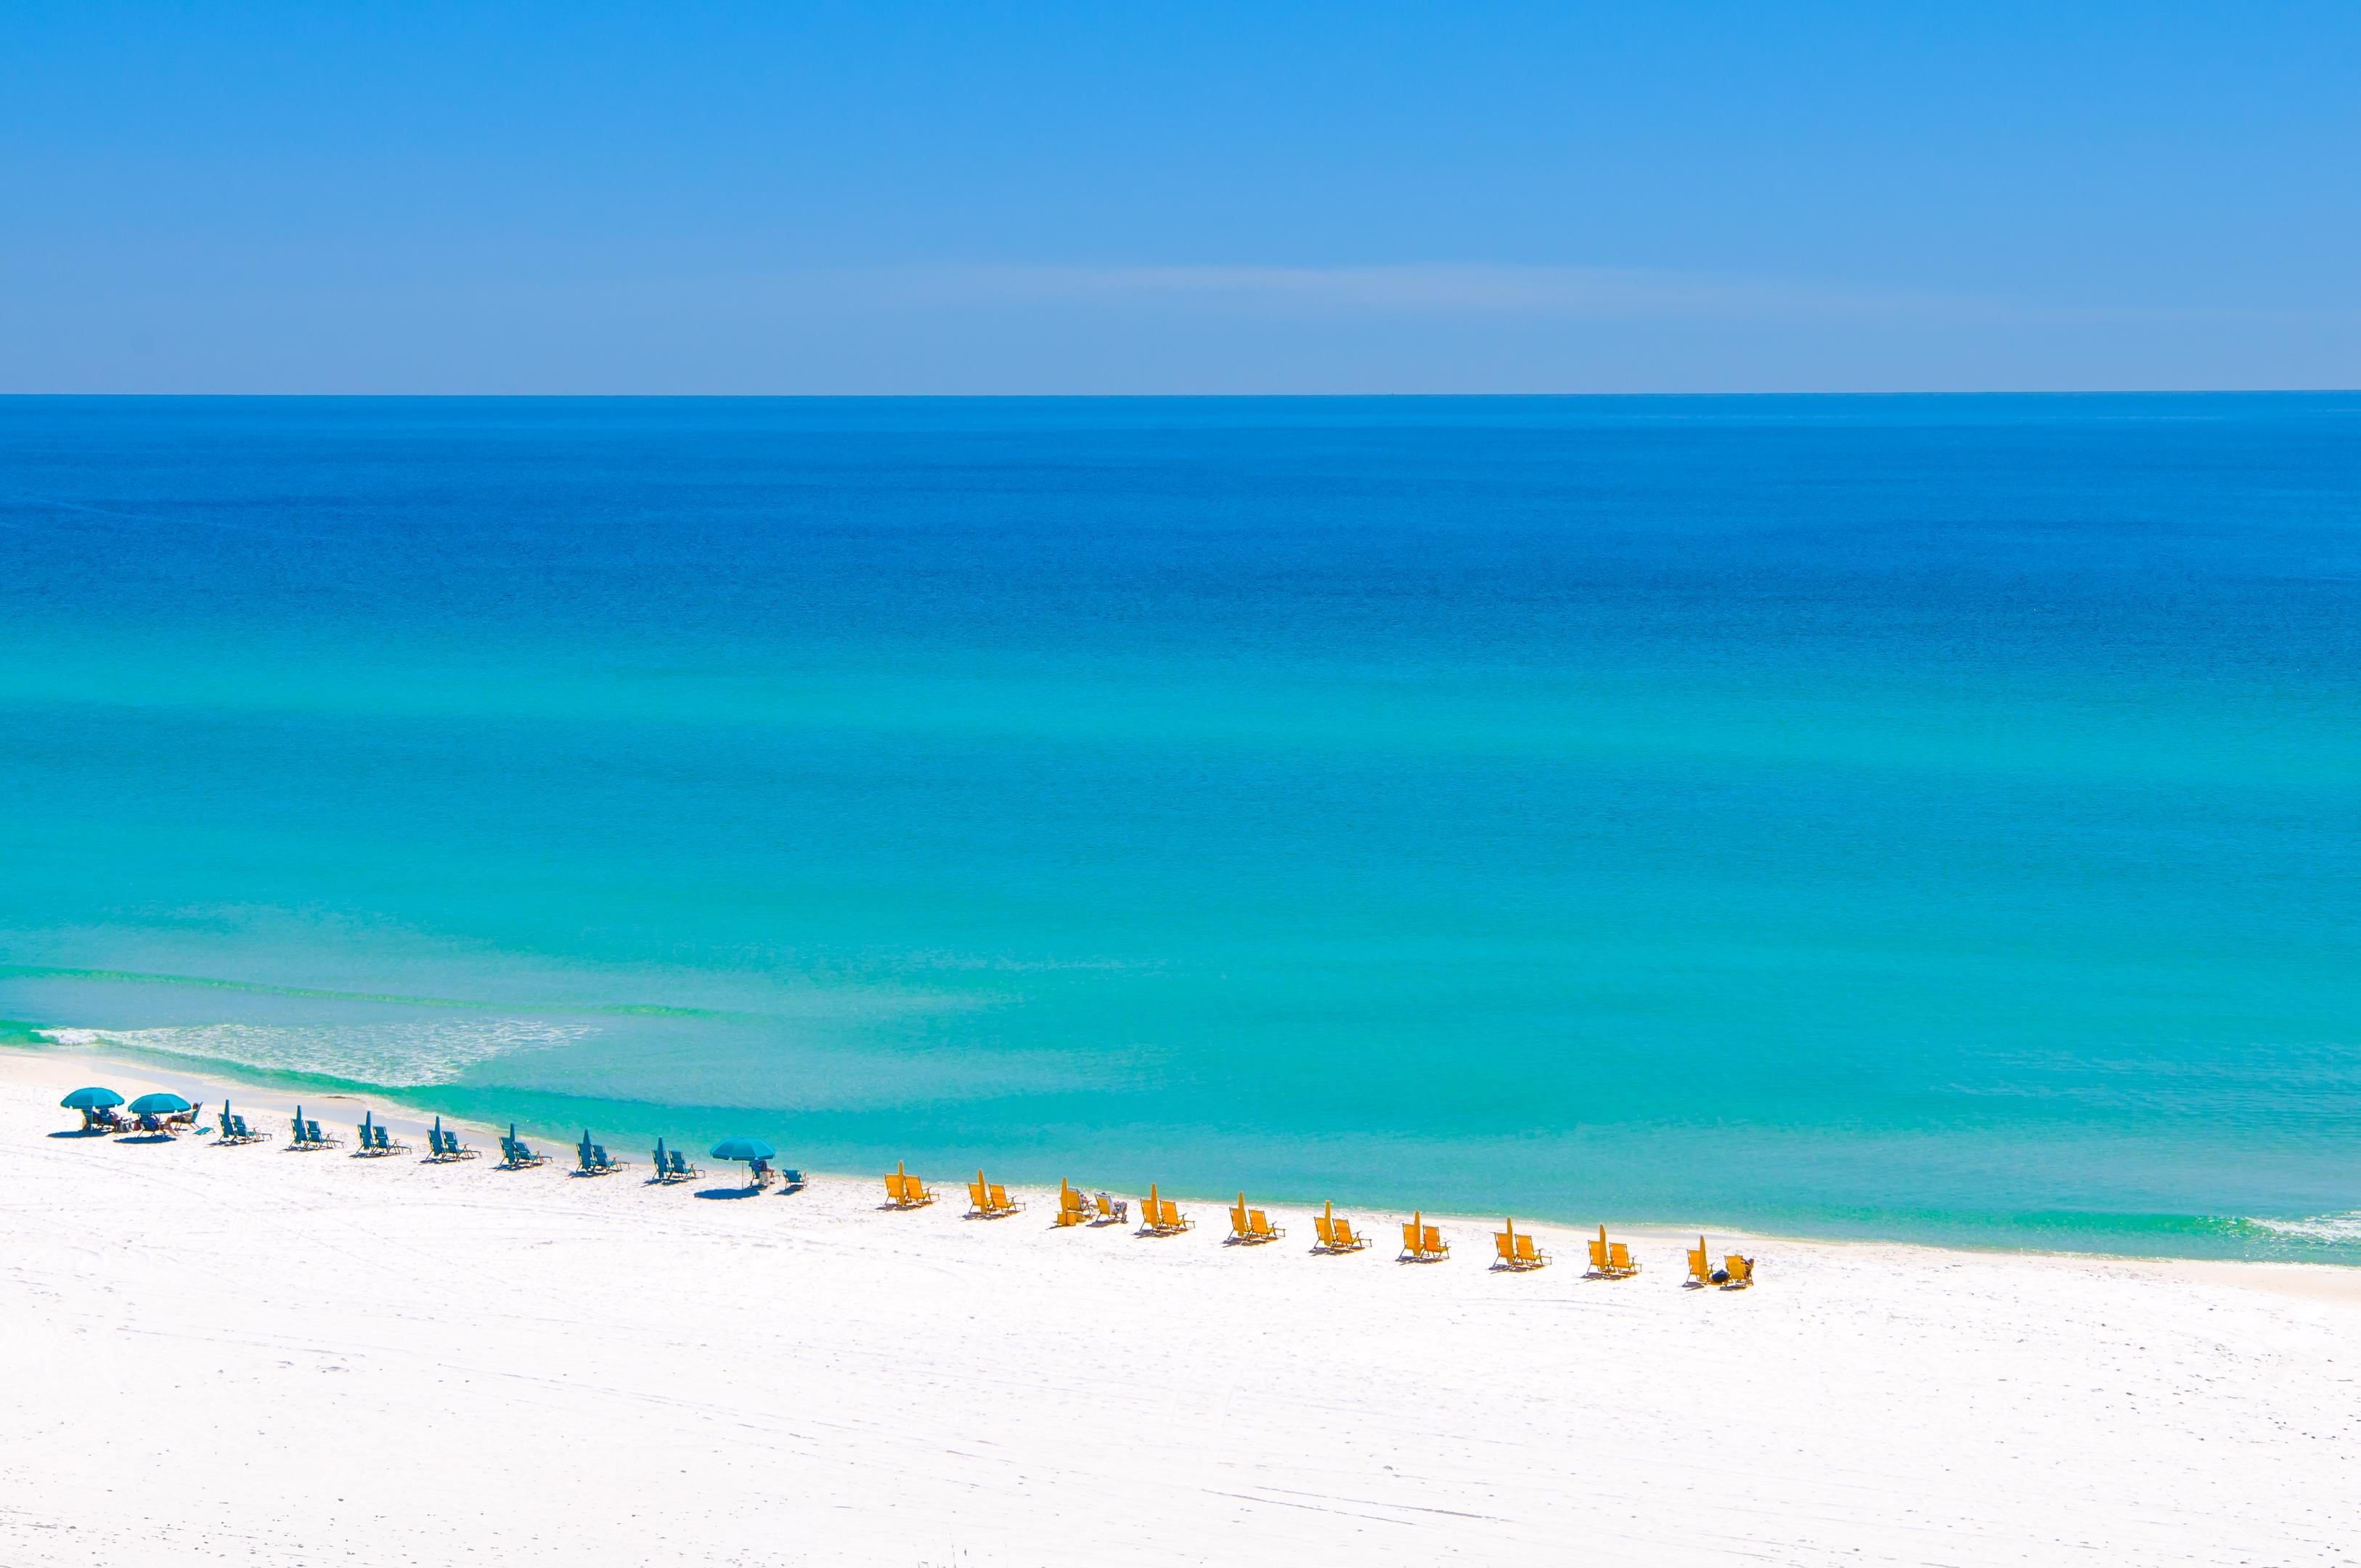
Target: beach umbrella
<point>159,1104</point>
<point>743,1148</point>
<point>91,1099</point>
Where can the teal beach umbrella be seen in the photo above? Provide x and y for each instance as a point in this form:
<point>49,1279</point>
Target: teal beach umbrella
<point>159,1104</point>
<point>91,1099</point>
<point>743,1148</point>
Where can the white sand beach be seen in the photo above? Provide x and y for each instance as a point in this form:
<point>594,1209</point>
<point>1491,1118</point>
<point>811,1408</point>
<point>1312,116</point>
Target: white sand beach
<point>253,1355</point>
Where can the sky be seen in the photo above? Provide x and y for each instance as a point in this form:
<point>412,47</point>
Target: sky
<point>1021,198</point>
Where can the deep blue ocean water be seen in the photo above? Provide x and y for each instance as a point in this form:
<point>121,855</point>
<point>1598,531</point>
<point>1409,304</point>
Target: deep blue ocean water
<point>1920,817</point>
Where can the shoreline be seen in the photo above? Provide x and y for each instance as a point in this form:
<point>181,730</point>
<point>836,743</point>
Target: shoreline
<point>234,1355</point>
<point>2324,1280</point>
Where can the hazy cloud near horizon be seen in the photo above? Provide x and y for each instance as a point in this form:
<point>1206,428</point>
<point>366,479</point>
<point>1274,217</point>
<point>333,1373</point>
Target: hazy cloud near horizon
<point>614,198</point>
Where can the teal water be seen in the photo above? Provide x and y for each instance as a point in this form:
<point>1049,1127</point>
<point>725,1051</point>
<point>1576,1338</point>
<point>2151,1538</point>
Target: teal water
<point>1933,817</point>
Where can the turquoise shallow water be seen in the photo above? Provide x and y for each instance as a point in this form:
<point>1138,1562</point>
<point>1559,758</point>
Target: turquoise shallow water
<point>1936,817</point>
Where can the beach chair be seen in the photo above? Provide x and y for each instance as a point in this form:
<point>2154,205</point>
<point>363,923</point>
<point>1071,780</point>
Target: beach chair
<point>518,1154</point>
<point>1700,1267</point>
<point>1073,1208</point>
<point>682,1168</point>
<point>1238,1232</point>
<point>1598,1264</point>
<point>1741,1271</point>
<point>1336,1235</point>
<point>605,1165</point>
<point>1435,1245</point>
<point>790,1179</point>
<point>1259,1224</point>
<point>979,1202</point>
<point>1413,1244</point>
<point>1161,1216</point>
<point>246,1133</point>
<point>1528,1255</point>
<point>1001,1204</point>
<point>226,1132</point>
<point>1112,1210</point>
<point>903,1190</point>
<point>1620,1263</point>
<point>385,1142</point>
<point>320,1139</point>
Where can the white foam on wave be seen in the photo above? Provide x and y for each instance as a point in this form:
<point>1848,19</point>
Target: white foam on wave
<point>2346,1227</point>
<point>398,1055</point>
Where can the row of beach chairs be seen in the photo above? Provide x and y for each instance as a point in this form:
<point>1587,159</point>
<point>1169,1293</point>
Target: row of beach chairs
<point>1422,1242</point>
<point>1515,1250</point>
<point>374,1139</point>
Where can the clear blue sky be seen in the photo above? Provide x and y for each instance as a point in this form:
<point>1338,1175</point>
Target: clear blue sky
<point>989,197</point>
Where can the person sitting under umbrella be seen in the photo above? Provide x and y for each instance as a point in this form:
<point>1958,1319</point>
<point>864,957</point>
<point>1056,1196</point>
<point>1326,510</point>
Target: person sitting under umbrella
<point>97,1107</point>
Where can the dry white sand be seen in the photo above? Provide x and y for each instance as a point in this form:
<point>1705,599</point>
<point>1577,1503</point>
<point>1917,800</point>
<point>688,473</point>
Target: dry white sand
<point>262,1356</point>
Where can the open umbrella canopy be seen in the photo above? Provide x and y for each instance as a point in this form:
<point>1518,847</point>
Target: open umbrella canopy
<point>744,1149</point>
<point>91,1099</point>
<point>159,1104</point>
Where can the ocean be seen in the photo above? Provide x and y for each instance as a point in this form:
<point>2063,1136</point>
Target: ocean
<point>1929,818</point>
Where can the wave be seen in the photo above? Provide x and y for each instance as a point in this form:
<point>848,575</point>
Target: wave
<point>2337,1229</point>
<point>395,1055</point>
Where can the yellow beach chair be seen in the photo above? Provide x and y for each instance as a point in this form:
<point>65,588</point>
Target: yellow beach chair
<point>1516,1252</point>
<point>1336,1235</point>
<point>988,1200</point>
<point>903,1190</point>
<point>1161,1216</point>
<point>1741,1271</point>
<point>1700,1269</point>
<point>1073,1208</point>
<point>1422,1242</point>
<point>1110,1212</point>
<point>1611,1260</point>
<point>1251,1227</point>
